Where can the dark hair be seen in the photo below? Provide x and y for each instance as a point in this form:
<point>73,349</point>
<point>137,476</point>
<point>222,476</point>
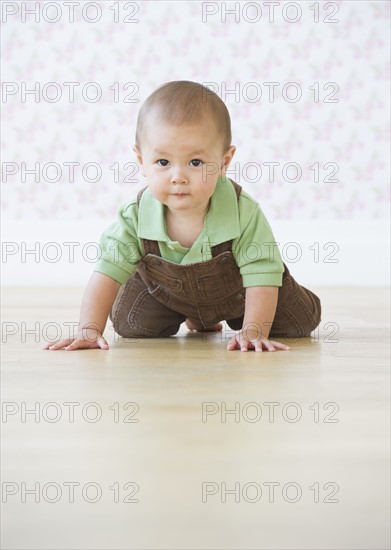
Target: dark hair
<point>182,102</point>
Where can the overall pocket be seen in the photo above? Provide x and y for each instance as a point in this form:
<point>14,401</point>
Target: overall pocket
<point>156,277</point>
<point>224,284</point>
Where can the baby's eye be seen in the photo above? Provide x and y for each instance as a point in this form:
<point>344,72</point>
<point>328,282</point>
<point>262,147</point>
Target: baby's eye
<point>197,160</point>
<point>162,160</point>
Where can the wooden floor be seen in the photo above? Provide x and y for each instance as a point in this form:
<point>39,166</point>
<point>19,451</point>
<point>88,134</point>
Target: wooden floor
<point>171,443</point>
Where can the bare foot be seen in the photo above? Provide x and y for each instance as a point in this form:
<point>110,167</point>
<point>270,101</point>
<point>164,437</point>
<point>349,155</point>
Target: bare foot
<point>192,324</point>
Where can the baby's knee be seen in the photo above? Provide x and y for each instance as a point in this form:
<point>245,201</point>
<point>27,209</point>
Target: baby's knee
<point>292,329</point>
<point>315,317</point>
<point>130,330</point>
<point>307,321</point>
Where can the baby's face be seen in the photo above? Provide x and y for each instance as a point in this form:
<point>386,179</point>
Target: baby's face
<point>182,165</point>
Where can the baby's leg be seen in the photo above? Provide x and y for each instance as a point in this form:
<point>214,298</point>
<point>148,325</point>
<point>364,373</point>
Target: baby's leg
<point>195,324</point>
<point>298,310</point>
<point>137,314</point>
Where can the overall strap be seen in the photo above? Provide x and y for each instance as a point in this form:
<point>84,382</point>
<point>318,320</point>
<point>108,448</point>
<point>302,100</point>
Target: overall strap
<point>227,245</point>
<point>152,247</point>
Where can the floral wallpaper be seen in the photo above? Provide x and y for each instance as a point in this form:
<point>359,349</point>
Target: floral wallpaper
<point>306,84</point>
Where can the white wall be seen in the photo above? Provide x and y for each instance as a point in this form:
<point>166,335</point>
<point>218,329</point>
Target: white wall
<point>345,59</point>
<point>320,253</point>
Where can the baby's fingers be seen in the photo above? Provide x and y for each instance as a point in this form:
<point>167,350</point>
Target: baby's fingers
<point>237,343</point>
<point>58,345</point>
<point>233,344</point>
<point>76,344</point>
<point>103,343</point>
<point>260,344</point>
<point>245,345</point>
<point>278,345</point>
<point>81,343</point>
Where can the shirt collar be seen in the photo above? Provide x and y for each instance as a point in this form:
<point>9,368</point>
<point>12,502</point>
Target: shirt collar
<point>223,207</point>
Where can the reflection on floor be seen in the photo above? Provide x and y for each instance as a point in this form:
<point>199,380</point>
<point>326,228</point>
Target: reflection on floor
<point>178,444</point>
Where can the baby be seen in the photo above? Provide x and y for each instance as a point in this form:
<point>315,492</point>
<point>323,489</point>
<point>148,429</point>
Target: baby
<point>193,247</point>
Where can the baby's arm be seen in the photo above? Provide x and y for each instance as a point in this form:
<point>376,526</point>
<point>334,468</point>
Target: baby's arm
<point>260,309</point>
<point>98,300</point>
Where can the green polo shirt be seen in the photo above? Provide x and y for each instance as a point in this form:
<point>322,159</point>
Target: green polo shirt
<point>253,247</point>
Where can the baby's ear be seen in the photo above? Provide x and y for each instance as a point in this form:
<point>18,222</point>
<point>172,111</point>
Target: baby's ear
<point>228,155</point>
<point>139,158</point>
<point>138,153</point>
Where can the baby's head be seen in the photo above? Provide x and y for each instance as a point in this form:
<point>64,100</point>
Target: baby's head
<point>183,144</point>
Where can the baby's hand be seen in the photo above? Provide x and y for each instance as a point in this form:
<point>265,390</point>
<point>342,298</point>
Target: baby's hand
<point>244,344</point>
<point>88,338</point>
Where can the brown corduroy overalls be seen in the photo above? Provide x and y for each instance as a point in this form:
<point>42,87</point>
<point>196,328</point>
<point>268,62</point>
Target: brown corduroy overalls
<point>160,295</point>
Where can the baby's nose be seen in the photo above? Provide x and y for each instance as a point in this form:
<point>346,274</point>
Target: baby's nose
<point>178,177</point>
